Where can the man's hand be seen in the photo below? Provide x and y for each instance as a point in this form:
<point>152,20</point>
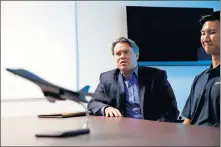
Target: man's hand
<point>112,112</point>
<point>186,121</point>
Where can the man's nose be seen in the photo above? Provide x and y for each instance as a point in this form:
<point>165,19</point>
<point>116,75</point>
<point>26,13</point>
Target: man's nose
<point>206,38</point>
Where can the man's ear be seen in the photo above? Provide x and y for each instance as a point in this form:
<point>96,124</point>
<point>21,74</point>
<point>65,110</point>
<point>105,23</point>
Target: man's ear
<point>137,56</point>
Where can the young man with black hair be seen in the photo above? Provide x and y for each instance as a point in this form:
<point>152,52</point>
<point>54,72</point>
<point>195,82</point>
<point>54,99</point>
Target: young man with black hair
<point>203,105</point>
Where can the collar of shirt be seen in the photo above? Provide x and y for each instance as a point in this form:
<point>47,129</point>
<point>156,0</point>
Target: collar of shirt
<point>211,69</point>
<point>135,71</point>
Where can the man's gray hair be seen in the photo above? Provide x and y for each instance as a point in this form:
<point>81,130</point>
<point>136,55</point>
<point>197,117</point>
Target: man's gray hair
<point>131,43</point>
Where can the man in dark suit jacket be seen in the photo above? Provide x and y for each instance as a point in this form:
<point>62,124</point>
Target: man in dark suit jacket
<point>133,91</point>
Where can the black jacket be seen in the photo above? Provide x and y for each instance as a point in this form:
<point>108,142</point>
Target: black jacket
<point>157,99</point>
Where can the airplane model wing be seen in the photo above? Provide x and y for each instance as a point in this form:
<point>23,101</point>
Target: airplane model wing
<point>51,90</point>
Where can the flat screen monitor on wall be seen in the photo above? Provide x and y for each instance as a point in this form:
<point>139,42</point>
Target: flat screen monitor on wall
<point>167,34</point>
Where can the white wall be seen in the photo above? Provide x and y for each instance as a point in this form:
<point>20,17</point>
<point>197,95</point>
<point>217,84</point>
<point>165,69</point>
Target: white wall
<point>39,36</point>
<point>99,24</point>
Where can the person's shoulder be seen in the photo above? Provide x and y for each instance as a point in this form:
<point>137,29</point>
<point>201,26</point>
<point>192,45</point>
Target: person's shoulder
<point>153,70</point>
<point>109,73</point>
<point>201,74</point>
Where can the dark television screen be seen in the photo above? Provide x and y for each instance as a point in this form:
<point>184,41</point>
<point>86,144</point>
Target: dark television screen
<point>166,34</point>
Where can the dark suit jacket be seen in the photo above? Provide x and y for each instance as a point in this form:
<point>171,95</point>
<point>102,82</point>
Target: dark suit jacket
<point>157,99</point>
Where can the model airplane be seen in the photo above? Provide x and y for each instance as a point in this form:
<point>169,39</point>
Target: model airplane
<point>53,92</point>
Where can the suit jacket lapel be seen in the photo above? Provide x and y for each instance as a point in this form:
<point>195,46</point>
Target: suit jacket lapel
<point>121,95</point>
<point>142,87</point>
